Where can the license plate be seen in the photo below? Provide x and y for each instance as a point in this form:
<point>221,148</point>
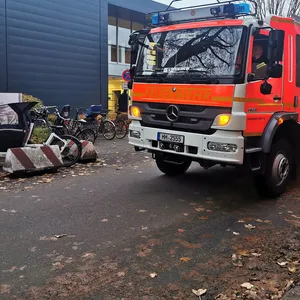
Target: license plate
<point>171,138</point>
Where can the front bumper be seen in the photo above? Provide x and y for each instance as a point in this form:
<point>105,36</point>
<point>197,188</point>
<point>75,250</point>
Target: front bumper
<point>195,145</point>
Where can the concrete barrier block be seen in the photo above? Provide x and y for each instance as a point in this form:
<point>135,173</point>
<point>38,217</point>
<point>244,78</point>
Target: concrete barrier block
<point>31,159</point>
<point>88,152</point>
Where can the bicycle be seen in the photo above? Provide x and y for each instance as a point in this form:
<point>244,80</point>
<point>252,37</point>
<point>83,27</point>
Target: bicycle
<point>103,125</point>
<point>61,125</point>
<point>40,118</point>
<point>74,127</point>
<point>70,147</point>
<point>121,126</point>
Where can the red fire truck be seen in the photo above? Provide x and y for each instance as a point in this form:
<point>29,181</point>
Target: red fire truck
<point>215,85</point>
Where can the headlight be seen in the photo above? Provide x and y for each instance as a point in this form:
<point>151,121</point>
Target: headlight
<point>222,147</point>
<point>135,134</point>
<point>221,120</point>
<point>134,111</point>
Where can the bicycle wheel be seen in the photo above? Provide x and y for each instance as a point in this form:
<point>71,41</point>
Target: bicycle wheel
<point>109,130</point>
<point>72,152</point>
<point>121,129</point>
<point>86,135</point>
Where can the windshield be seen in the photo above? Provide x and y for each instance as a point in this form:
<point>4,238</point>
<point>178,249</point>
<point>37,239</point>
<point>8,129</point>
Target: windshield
<point>208,53</point>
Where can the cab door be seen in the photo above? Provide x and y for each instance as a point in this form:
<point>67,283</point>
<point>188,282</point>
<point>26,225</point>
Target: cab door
<point>259,108</point>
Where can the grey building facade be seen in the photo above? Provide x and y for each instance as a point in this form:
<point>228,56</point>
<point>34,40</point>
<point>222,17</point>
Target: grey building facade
<point>57,50</point>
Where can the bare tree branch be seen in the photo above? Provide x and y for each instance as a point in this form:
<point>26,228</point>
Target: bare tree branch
<point>278,7</point>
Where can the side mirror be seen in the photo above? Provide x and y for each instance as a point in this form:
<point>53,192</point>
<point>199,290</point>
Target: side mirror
<point>266,88</point>
<point>275,46</point>
<point>275,71</point>
<point>133,38</point>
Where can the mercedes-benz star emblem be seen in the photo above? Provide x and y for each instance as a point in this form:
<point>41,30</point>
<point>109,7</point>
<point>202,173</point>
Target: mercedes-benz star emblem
<point>174,89</point>
<point>172,113</point>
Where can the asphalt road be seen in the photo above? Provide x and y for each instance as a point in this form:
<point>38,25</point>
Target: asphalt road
<point>103,231</point>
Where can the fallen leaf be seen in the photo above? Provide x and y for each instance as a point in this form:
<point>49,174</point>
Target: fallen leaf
<point>247,285</point>
<point>292,269</point>
<point>142,210</point>
<point>241,221</point>
<point>199,292</point>
<point>88,255</point>
<point>236,233</point>
<point>185,214</point>
<point>282,264</point>
<point>144,228</point>
<point>208,210</point>
<point>188,245</point>
<point>238,264</point>
<point>180,230</point>
<point>47,180</point>
<point>234,257</point>
<point>121,274</point>
<point>104,220</point>
<point>222,297</point>
<point>58,236</point>
<point>9,211</point>
<point>193,203</point>
<point>259,221</point>
<point>256,254</point>
<point>203,218</point>
<point>153,275</point>
<point>296,217</point>
<point>290,212</point>
<point>45,238</point>
<point>209,202</point>
<point>199,209</point>
<point>243,252</point>
<point>185,259</point>
<point>4,289</point>
<point>249,226</point>
<point>236,260</point>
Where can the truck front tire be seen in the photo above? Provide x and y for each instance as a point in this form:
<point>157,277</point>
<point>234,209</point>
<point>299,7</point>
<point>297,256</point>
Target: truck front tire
<point>274,181</point>
<point>172,166</point>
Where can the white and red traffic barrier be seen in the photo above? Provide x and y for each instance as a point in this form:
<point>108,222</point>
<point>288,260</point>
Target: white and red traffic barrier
<point>30,159</point>
<point>89,153</point>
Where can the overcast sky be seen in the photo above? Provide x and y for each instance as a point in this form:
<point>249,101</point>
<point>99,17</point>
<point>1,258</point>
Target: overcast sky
<point>185,2</point>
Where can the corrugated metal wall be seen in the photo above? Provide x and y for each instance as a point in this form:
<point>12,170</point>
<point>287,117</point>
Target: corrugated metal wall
<point>54,50</point>
<point>3,82</point>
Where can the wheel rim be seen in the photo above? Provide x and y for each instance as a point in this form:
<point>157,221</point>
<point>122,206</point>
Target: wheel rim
<point>109,130</point>
<point>281,168</point>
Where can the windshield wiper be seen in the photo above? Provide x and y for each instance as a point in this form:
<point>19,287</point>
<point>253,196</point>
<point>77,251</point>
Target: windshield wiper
<point>200,78</point>
<point>159,76</point>
<point>153,77</point>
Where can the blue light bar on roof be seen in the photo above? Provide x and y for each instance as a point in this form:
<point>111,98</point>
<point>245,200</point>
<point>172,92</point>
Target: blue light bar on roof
<point>242,8</point>
<point>211,12</point>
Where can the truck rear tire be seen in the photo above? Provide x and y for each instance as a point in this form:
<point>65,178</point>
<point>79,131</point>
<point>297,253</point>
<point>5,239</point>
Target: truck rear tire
<point>172,167</point>
<point>274,181</point>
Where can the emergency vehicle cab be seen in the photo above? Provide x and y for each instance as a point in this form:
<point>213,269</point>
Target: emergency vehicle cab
<point>215,85</point>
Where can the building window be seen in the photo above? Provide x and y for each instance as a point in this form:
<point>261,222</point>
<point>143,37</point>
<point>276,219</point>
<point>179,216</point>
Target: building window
<point>298,60</point>
<point>113,54</point>
<point>137,26</point>
<point>112,39</point>
<point>124,30</point>
<point>119,31</point>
